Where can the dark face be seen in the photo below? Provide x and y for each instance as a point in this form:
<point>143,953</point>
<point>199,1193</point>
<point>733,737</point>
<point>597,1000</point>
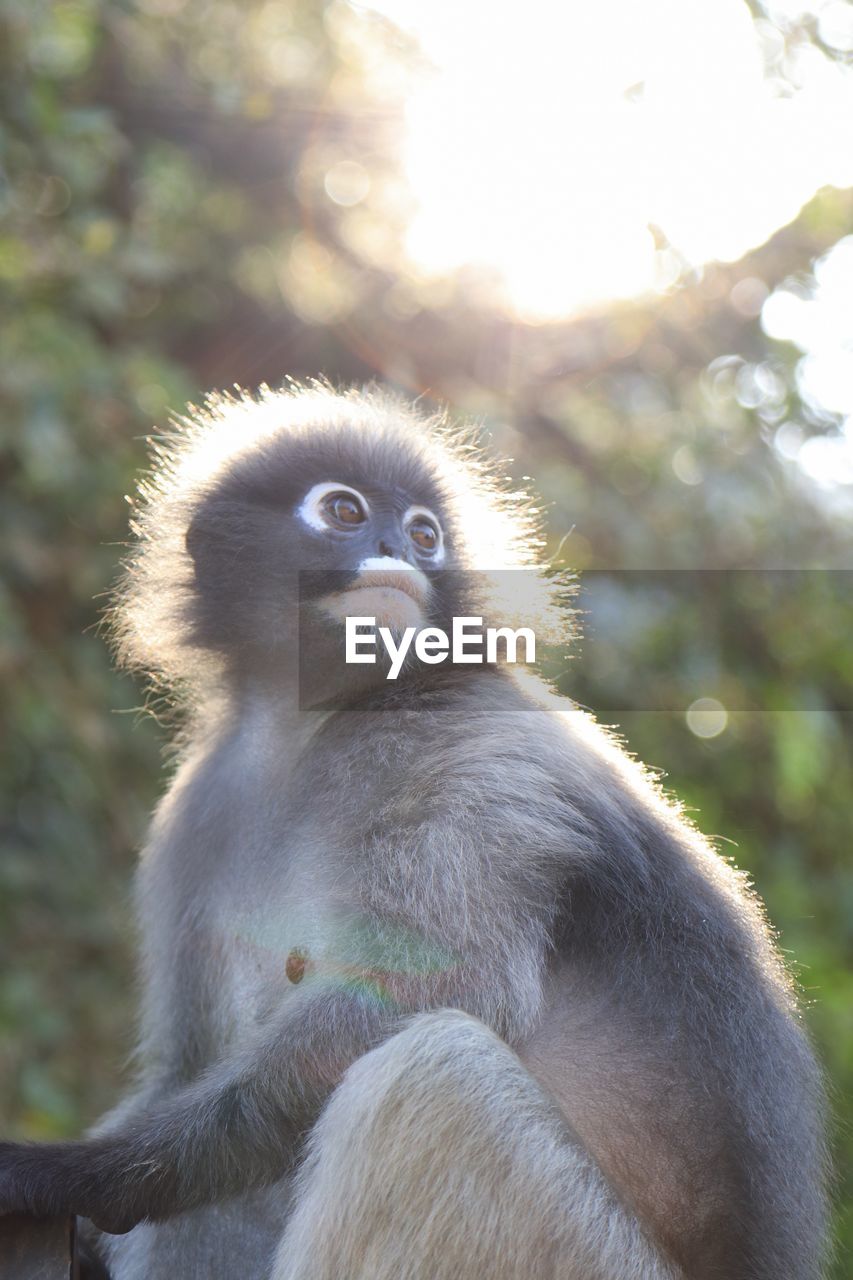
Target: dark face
<point>357,527</point>
<point>380,544</point>
<point>388,549</point>
<point>352,529</point>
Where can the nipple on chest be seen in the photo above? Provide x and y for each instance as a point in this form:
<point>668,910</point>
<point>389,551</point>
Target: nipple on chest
<point>296,965</point>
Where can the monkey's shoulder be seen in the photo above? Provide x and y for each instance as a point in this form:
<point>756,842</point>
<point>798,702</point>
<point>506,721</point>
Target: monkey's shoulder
<point>494,758</point>
<point>497,752</point>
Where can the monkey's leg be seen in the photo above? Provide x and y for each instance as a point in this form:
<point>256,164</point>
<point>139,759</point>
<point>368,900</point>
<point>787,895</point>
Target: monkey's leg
<point>439,1157</point>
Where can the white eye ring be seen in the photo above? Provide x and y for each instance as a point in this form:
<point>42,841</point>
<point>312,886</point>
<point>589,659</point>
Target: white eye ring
<point>310,510</point>
<point>415,513</point>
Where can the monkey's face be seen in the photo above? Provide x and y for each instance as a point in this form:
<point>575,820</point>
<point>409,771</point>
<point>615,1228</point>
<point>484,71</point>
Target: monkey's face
<point>272,520</point>
<point>390,563</point>
<point>382,546</point>
<point>294,539</point>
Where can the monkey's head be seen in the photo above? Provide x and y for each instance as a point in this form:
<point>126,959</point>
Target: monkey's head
<point>267,521</point>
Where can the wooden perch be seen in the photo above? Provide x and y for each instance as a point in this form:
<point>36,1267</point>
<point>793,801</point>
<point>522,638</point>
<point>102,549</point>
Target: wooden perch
<point>37,1249</point>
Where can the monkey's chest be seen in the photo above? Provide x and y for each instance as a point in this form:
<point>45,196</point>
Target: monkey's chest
<point>290,927</point>
<point>302,944</point>
<point>273,951</point>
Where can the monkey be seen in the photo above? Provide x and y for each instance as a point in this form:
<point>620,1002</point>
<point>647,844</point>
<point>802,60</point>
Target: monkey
<point>437,981</point>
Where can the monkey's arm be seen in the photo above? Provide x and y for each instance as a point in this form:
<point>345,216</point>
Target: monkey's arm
<point>239,1126</point>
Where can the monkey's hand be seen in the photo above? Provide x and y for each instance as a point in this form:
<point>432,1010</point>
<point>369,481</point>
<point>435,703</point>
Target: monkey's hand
<point>46,1180</point>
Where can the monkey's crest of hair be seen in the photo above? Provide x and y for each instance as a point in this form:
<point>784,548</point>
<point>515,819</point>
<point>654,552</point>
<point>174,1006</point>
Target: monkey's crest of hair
<point>150,616</point>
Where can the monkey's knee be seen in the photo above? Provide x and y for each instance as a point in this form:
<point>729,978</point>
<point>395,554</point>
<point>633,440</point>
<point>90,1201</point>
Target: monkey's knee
<point>440,1156</point>
<point>442,1052</point>
<point>418,1166</point>
<point>437,1078</point>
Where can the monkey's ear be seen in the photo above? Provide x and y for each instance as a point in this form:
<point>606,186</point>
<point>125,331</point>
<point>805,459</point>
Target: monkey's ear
<point>197,541</point>
<point>192,539</point>
<point>211,549</point>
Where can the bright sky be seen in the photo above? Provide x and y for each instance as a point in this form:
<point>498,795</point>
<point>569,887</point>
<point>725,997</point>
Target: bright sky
<point>550,135</point>
<point>820,321</point>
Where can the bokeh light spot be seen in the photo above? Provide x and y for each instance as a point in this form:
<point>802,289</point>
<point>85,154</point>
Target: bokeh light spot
<point>347,183</point>
<point>706,718</point>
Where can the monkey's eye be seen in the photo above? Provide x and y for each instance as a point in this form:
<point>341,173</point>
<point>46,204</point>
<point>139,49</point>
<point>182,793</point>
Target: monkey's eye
<point>332,505</point>
<point>343,509</point>
<point>425,535</point>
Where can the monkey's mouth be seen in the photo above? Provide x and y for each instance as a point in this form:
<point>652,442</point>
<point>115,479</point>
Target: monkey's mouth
<point>394,598</point>
<point>411,582</point>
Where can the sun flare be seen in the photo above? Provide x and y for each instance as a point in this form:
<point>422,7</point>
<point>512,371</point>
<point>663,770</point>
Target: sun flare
<point>584,153</point>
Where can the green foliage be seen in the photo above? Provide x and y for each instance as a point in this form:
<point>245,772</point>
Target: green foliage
<point>165,227</point>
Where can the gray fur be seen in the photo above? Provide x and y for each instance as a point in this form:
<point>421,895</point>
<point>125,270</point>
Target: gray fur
<point>520,1197</point>
<point>631,1093</point>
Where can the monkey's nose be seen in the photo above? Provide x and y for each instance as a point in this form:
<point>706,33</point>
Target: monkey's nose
<point>390,549</point>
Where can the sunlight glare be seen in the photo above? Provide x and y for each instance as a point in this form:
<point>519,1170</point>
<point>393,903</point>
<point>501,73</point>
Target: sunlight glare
<point>547,142</point>
<point>818,318</point>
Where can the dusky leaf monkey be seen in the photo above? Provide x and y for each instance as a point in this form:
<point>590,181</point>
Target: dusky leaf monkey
<point>436,982</point>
